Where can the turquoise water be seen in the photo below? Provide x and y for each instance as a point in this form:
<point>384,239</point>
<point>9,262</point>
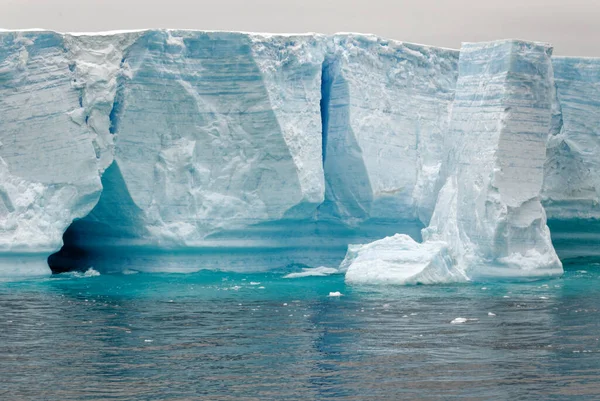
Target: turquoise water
<point>221,336</point>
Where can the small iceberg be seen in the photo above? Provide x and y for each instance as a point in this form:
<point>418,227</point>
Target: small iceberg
<point>460,320</point>
<point>91,272</point>
<point>313,272</point>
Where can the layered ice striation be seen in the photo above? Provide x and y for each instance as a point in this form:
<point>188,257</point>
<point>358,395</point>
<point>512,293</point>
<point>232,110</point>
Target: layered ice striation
<point>166,150</point>
<point>217,152</point>
<point>386,107</point>
<point>571,193</point>
<point>239,151</point>
<point>48,165</point>
<point>488,222</point>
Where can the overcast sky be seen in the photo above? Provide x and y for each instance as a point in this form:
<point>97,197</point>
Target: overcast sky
<point>572,26</point>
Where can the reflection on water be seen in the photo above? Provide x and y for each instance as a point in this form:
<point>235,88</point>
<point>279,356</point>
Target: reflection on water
<point>221,336</point>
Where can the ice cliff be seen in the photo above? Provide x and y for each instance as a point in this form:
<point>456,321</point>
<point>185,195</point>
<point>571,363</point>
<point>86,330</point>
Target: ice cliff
<point>181,150</point>
<point>571,194</point>
<point>488,222</point>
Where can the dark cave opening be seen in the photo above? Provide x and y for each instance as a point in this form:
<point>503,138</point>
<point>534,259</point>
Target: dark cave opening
<point>113,224</point>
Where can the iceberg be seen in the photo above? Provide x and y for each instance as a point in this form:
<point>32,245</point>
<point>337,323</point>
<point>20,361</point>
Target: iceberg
<point>177,150</point>
<point>488,222</point>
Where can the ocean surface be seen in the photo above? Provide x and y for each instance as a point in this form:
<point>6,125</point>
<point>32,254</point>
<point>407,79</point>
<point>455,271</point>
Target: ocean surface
<point>223,336</point>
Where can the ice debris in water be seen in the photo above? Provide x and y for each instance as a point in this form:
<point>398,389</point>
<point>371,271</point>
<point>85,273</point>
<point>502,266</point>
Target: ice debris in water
<point>460,320</point>
<point>335,294</point>
<point>91,272</point>
<point>316,271</point>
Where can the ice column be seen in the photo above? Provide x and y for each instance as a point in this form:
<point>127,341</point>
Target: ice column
<point>488,222</point>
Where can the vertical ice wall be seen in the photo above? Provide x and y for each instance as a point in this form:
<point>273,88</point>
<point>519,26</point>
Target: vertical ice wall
<point>488,221</point>
<point>257,150</point>
<point>217,145</point>
<point>385,108</point>
<point>48,166</point>
<point>95,60</point>
<point>572,180</point>
<point>199,142</point>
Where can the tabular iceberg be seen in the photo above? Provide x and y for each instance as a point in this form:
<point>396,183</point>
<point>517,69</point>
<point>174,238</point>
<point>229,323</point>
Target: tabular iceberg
<point>181,150</point>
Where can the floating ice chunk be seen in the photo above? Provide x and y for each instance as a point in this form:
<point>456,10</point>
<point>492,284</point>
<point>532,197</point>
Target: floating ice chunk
<point>335,294</point>
<point>400,260</point>
<point>316,271</point>
<point>460,320</point>
<point>129,272</point>
<point>491,314</point>
<point>91,273</point>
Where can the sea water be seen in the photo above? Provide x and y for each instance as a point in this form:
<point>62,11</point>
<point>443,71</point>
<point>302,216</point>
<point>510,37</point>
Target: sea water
<point>226,336</point>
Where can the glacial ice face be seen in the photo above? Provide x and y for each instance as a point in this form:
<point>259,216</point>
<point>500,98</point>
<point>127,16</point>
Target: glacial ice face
<point>216,139</point>
<point>571,193</point>
<point>385,107</point>
<point>95,61</point>
<point>199,143</point>
<point>218,145</point>
<point>48,167</point>
<point>488,222</point>
<point>253,151</point>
